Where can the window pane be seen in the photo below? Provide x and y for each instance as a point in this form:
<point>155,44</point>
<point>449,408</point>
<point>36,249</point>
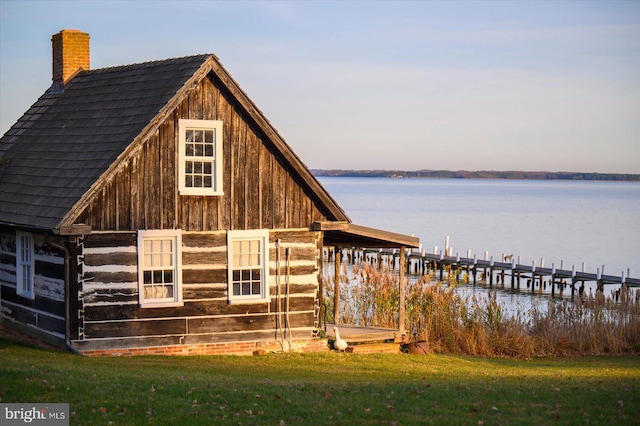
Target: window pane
<point>207,182</point>
<point>236,289</point>
<point>157,277</point>
<point>26,278</point>
<point>168,291</point>
<point>189,135</point>
<point>255,287</point>
<point>158,292</point>
<point>168,276</point>
<point>246,289</point>
<point>198,150</point>
<point>188,181</point>
<point>208,136</point>
<point>146,277</point>
<point>236,276</point>
<point>26,248</point>
<point>246,275</point>
<point>197,136</point>
<point>208,150</point>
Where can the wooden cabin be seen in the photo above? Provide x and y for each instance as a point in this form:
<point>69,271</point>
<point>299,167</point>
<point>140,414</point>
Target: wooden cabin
<point>152,209</point>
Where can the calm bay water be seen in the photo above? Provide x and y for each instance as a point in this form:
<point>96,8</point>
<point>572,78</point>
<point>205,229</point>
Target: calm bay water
<point>597,223</point>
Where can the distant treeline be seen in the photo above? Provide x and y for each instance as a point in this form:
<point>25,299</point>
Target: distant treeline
<point>483,174</point>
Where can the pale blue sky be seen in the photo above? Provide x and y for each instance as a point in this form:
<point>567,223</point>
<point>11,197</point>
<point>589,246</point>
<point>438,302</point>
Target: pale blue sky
<point>507,85</point>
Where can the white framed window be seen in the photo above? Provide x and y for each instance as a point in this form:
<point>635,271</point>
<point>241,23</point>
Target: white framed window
<point>160,268</point>
<point>248,260</point>
<point>200,157</point>
<point>24,264</point>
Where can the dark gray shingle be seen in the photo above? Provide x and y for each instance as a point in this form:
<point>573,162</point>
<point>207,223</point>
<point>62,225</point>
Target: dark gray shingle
<point>66,141</point>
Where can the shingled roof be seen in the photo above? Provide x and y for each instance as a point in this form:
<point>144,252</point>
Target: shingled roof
<point>66,141</point>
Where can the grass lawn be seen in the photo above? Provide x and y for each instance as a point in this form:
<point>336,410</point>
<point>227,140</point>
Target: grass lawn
<point>331,388</point>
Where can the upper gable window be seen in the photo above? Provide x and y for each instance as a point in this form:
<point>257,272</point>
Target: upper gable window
<point>200,157</point>
<point>24,264</point>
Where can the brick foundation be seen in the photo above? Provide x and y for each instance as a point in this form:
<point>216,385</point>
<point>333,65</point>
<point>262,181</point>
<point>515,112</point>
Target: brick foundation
<point>234,348</point>
<point>16,336</point>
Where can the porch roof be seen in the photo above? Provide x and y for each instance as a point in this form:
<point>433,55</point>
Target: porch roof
<point>345,234</point>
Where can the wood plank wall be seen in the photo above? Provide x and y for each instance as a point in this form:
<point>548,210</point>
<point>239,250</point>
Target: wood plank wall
<point>45,314</point>
<point>259,192</point>
<point>112,317</point>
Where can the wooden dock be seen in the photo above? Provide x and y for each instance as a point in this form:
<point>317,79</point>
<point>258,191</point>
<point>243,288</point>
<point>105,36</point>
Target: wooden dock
<point>492,270</point>
<point>489,271</point>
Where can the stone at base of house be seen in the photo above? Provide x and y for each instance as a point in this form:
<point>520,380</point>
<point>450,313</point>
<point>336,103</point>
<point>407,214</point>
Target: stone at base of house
<point>46,342</point>
<point>233,348</point>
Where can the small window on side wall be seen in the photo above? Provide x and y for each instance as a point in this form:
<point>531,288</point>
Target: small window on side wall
<point>200,157</point>
<point>159,268</point>
<point>24,264</point>
<point>248,260</point>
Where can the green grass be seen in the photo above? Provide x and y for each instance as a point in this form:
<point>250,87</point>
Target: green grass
<point>329,388</point>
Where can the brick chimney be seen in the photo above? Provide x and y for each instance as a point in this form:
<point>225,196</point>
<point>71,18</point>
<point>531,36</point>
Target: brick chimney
<point>70,54</point>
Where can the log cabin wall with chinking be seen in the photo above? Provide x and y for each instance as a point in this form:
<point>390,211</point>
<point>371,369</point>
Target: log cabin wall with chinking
<point>259,192</point>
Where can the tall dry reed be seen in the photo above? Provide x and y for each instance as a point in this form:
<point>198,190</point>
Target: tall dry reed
<point>454,323</point>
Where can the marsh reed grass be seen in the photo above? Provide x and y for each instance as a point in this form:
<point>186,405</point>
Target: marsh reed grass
<point>455,323</point>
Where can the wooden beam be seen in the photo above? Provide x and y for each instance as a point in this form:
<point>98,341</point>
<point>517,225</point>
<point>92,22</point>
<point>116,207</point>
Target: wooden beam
<point>330,226</point>
<point>75,229</point>
<point>337,252</point>
<point>401,297</point>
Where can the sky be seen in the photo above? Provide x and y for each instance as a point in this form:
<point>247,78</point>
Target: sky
<point>455,85</point>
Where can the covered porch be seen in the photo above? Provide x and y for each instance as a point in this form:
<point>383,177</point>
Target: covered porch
<point>346,235</point>
<point>361,334</point>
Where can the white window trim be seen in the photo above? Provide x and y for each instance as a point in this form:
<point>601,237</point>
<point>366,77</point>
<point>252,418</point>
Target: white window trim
<point>177,259</point>
<point>265,293</point>
<point>20,263</point>
<point>183,125</point>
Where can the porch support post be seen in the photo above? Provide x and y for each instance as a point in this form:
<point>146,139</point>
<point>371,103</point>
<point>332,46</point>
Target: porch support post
<point>337,254</point>
<point>401,295</point>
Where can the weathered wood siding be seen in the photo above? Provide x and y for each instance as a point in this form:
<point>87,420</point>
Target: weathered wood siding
<point>111,316</point>
<point>259,192</point>
<point>45,314</point>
